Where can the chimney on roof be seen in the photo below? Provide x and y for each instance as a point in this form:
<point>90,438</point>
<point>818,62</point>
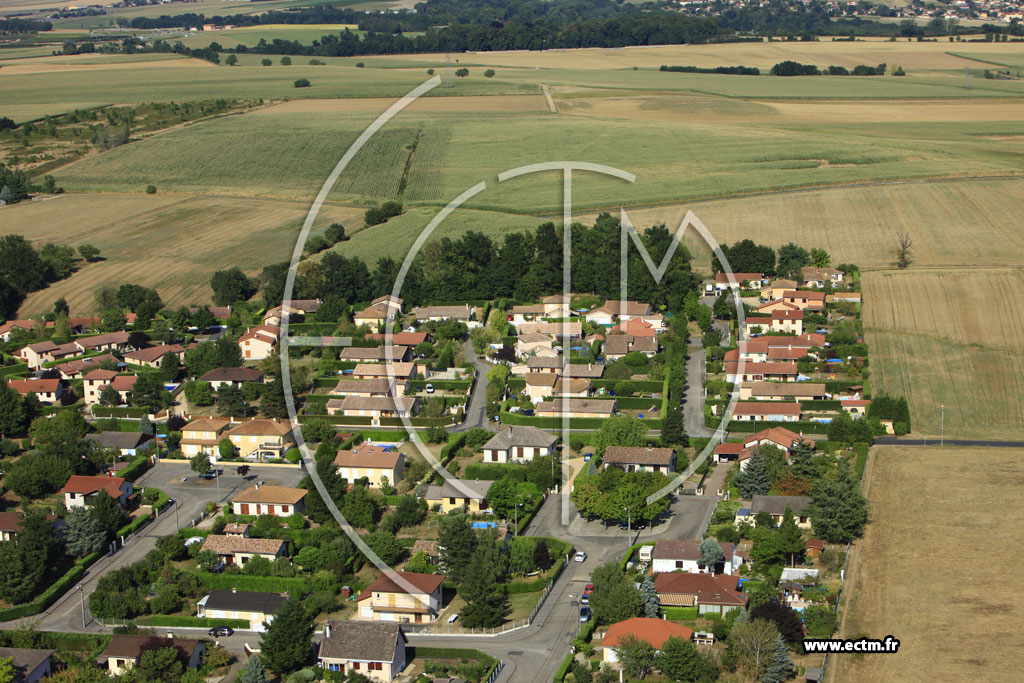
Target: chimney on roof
<point>327,629</point>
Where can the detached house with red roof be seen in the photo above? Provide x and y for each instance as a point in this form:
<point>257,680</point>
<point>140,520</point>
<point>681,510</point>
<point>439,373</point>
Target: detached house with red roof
<point>684,556</point>
<point>275,501</point>
<point>653,631</point>
<point>152,356</point>
<point>97,380</point>
<point>409,597</point>
<point>766,411</point>
<point>709,593</point>
<point>259,342</point>
<point>80,490</point>
<point>46,390</point>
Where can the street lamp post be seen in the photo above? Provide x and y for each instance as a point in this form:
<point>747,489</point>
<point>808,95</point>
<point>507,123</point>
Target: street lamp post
<point>81,594</point>
<point>942,426</point>
<point>177,525</point>
<point>629,525</point>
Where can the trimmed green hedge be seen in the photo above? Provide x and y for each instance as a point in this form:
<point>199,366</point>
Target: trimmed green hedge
<point>263,584</point>
<point>135,470</point>
<point>60,640</point>
<point>50,595</point>
<point>446,384</point>
<point>551,422</point>
<point>198,622</point>
<point>743,427</point>
<point>16,369</point>
<point>516,385</point>
<point>629,553</point>
<point>821,404</point>
<point>648,386</point>
<point>420,421</point>
<point>494,471</point>
<point>564,667</point>
<point>337,419</point>
<point>680,613</point>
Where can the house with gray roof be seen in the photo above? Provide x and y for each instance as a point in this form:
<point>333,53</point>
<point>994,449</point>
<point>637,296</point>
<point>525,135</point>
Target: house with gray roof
<point>639,458</point>
<point>519,443</point>
<point>30,665</point>
<point>452,495</point>
<point>128,444</point>
<point>375,649</point>
<point>776,507</point>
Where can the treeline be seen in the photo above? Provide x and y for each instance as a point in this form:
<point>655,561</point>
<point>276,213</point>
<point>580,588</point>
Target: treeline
<point>23,269</point>
<point>134,45</point>
<point>859,70</point>
<point>13,26</point>
<point>523,266</point>
<point>747,256</point>
<point>737,70</point>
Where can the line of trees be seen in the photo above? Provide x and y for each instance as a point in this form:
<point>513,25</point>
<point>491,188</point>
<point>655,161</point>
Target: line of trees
<point>24,269</point>
<point>731,70</point>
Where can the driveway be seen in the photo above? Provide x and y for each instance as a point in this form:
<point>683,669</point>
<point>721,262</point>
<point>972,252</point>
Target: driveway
<point>476,407</point>
<point>693,409</point>
<point>190,499</point>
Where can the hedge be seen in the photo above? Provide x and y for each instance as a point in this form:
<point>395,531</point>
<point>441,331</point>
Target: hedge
<point>629,553</point>
<point>447,384</point>
<point>744,427</point>
<point>564,667</point>
<point>862,458</point>
<point>50,595</point>
<point>117,411</point>
<point>516,385</point>
<point>15,369</point>
<point>648,386</point>
<point>419,421</point>
<point>680,613</point>
<point>262,584</point>
<point>197,622</point>
<point>835,386</point>
<point>551,422</point>
<point>60,640</point>
<point>821,404</point>
<point>138,466</point>
<point>143,520</point>
<point>494,471</point>
<point>457,653</point>
<point>337,419</point>
<point>454,444</point>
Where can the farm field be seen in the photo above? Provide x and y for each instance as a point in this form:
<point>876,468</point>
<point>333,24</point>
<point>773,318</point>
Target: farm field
<point>950,337</point>
<point>171,243</point>
<point>912,577</point>
<point>457,150</point>
<point>933,212</point>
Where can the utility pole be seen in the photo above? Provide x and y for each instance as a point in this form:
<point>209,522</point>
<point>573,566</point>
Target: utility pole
<point>629,525</point>
<point>177,525</point>
<point>942,426</point>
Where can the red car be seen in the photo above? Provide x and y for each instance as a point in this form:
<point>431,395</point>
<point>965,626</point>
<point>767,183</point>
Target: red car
<point>588,589</point>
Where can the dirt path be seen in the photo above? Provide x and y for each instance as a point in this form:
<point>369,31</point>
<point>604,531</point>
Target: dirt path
<point>547,96</point>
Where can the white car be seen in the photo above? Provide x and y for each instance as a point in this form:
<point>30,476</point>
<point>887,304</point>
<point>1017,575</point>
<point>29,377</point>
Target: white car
<point>580,556</point>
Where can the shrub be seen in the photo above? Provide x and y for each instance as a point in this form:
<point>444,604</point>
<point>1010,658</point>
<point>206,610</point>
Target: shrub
<point>489,73</point>
<point>266,61</point>
<point>359,65</point>
<point>150,189</point>
<point>301,82</point>
<point>286,61</point>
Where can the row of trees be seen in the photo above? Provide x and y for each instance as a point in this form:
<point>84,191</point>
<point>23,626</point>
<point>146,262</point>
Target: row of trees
<point>747,256</point>
<point>23,268</point>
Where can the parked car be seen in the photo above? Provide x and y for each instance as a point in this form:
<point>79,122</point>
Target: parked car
<point>430,388</point>
<point>587,457</point>
<point>588,589</point>
<point>221,632</point>
<point>528,412</point>
<point>584,614</point>
<point>624,526</point>
<point>580,556</point>
<point>585,599</point>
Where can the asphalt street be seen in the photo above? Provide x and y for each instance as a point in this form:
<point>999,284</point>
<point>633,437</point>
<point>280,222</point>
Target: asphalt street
<point>190,499</point>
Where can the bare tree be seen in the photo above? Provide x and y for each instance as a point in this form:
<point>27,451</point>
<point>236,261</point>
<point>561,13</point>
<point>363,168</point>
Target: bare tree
<point>902,251</point>
<point>755,644</point>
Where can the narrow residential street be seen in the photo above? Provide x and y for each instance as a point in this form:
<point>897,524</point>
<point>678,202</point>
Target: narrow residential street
<point>693,409</point>
<point>476,407</point>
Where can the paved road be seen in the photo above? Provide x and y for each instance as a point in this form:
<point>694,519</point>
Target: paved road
<point>693,409</point>
<point>476,407</point>
<point>190,498</point>
<point>900,441</point>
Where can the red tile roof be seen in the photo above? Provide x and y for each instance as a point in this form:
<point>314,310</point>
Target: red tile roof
<point>423,583</point>
<point>708,588</point>
<point>88,485</point>
<point>34,386</point>
<point>654,631</point>
<point>766,408</point>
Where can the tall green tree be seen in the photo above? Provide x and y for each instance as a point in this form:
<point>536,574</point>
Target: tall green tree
<point>620,430</point>
<point>753,642</point>
<point>253,671</point>
<point>503,496</point>
<point>287,643</point>
<point>637,656</point>
<point>83,533</point>
<point>780,667</point>
<point>159,665</point>
<point>672,433</point>
<point>486,606</point>
<point>754,479</point>
<point>231,401</point>
<point>839,511</point>
<point>679,660</point>
<point>615,598</point>
<point>711,554</point>
<point>790,538</point>
<point>652,604</point>
<point>458,544</point>
<point>12,415</point>
<point>107,511</point>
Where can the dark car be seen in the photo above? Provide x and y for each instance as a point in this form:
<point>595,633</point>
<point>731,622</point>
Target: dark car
<point>624,526</point>
<point>221,632</point>
<point>584,614</point>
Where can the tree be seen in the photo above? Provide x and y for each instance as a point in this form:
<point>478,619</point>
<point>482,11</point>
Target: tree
<point>83,533</point>
<point>410,510</point>
<point>88,252</point>
<point>462,73</point>
<point>149,392</point>
<point>266,61</point>
<point>107,510</point>
<point>620,430</point>
<point>503,496</point>
<point>12,414</point>
<point>754,643</point>
<point>231,401</point>
<point>286,61</point>
<point>542,555</point>
<point>672,427</point>
<point>199,393</point>
<point>903,249</point>
<point>335,233</point>
<point>838,510</point>
<point>360,508</point>
<point>711,554</point>
<point>272,400</point>
<point>286,644</point>
<point>820,258</point>
<point>232,285</point>
<point>200,463</point>
<point>791,259</point>
<point>489,73</point>
<point>253,671</point>
<point>207,560</point>
<point>486,606</point>
<point>146,426</point>
<point>615,598</point>
<point>786,619</point>
<point>652,605</point>
<point>7,670</point>
<point>780,667</point>
<point>159,664</point>
<point>302,83</point>
<point>789,536</point>
<point>458,544</point>
<point>173,547</point>
<point>753,480</point>
<point>679,660</point>
<point>386,546</point>
<point>820,621</point>
<point>636,656</point>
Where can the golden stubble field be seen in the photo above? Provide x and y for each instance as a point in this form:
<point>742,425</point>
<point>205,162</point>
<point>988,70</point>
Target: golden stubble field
<point>171,243</point>
<point>937,568</point>
<point>953,338</point>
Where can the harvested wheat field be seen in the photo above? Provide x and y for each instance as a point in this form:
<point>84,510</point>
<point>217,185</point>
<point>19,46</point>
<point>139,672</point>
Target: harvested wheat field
<point>47,65</point>
<point>697,109</point>
<point>469,103</point>
<point>172,244</point>
<point>952,338</point>
<point>952,222</point>
<point>937,568</point>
